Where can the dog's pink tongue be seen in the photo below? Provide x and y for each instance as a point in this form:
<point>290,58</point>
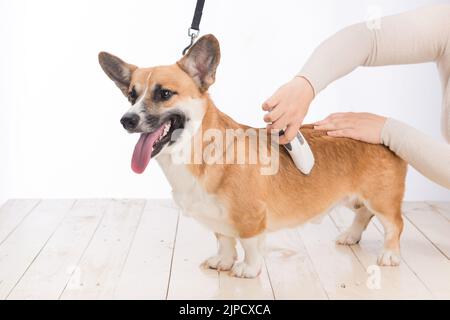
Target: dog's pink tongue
<point>143,150</point>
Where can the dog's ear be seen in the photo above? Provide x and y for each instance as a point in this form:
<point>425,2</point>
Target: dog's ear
<point>117,70</point>
<point>201,61</point>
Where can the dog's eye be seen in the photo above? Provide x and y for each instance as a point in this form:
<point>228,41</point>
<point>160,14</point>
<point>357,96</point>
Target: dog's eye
<point>132,96</point>
<point>165,94</point>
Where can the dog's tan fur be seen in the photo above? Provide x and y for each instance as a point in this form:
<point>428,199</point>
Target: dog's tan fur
<point>344,169</point>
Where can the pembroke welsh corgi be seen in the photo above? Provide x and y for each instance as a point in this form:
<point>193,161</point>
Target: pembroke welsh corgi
<point>241,196</point>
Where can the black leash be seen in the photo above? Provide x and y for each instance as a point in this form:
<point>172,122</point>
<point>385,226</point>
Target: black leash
<point>194,30</point>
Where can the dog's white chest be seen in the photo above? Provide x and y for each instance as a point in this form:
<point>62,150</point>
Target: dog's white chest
<point>193,200</point>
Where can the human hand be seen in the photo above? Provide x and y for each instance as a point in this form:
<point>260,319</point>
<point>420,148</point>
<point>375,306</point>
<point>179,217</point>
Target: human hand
<point>288,107</point>
<point>359,126</point>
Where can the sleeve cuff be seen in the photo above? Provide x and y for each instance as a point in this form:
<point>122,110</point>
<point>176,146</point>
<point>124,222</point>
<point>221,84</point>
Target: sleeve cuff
<point>313,85</point>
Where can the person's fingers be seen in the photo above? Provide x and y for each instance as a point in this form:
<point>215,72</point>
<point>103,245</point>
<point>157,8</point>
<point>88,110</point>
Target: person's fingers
<point>280,124</point>
<point>274,115</point>
<point>344,123</point>
<point>270,103</point>
<point>338,115</point>
<point>337,124</point>
<point>331,117</point>
<point>290,133</point>
<point>325,126</point>
<point>321,122</point>
<point>338,133</point>
<point>344,133</point>
<point>331,125</point>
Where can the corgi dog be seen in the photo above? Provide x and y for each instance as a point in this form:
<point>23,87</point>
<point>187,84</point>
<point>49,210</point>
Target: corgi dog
<point>172,112</point>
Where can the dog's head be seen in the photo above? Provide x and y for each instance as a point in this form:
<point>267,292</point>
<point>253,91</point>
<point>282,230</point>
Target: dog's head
<point>167,102</point>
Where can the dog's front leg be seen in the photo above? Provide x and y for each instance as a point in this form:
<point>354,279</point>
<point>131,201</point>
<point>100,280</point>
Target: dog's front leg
<point>226,256</point>
<point>251,266</point>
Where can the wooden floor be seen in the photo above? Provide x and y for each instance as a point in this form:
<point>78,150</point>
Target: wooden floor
<point>138,249</point>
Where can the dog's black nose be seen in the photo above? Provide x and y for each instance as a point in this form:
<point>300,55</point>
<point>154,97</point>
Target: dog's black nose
<point>130,121</point>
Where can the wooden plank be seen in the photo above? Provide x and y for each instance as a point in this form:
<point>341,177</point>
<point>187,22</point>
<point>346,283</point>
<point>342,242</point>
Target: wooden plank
<point>20,249</point>
<point>193,245</point>
<point>232,288</point>
<point>40,246</point>
<point>12,214</point>
<point>395,282</point>
<point>97,274</point>
<point>432,224</point>
<point>50,272</point>
<point>290,268</point>
<point>442,207</point>
<point>341,273</point>
<point>427,262</point>
<point>147,270</point>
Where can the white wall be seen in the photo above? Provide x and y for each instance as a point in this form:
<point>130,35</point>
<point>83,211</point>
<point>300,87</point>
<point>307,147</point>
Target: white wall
<point>59,114</point>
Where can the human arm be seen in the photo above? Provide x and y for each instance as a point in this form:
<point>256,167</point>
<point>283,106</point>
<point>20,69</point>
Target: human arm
<point>412,37</point>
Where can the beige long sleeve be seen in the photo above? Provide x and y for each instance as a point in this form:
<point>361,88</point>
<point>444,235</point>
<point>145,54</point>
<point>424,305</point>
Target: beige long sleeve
<point>418,36</point>
<point>428,156</point>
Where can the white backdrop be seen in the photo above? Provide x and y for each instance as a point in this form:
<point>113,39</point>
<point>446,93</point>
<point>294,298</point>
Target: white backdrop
<point>59,115</point>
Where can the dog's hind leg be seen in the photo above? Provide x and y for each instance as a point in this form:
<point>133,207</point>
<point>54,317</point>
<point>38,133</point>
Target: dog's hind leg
<point>360,222</point>
<point>392,221</point>
<point>251,266</point>
<point>393,227</point>
<point>226,255</point>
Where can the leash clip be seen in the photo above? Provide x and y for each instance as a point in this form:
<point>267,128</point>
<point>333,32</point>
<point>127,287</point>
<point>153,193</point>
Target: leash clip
<point>193,34</point>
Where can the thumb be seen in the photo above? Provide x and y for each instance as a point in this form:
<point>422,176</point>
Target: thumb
<point>290,133</point>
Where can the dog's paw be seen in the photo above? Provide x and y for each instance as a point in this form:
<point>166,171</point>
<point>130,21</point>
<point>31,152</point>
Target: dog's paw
<point>219,263</point>
<point>244,270</point>
<point>348,238</point>
<point>388,258</point>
